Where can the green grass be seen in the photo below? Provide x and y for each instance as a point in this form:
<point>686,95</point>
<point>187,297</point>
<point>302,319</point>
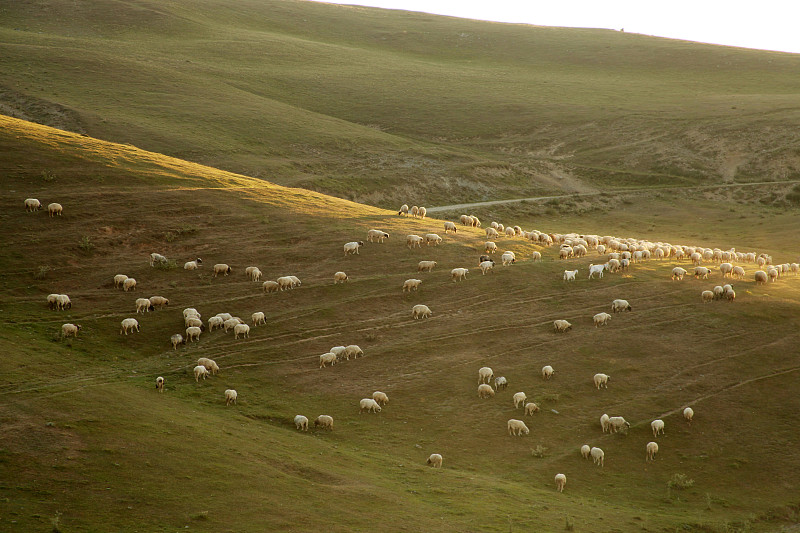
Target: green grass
<point>88,441</point>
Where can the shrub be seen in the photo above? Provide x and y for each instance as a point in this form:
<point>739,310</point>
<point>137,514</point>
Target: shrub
<point>680,482</point>
<point>86,244</point>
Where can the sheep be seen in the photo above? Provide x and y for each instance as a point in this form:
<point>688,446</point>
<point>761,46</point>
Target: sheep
<point>500,382</point>
<point>701,272</point>
<point>258,318</point>
<point>129,285</point>
<point>54,209</point>
<point>601,380</point>
<point>403,211</point>
<point>565,253</point>
<point>458,274</point>
<point>491,233</point>
<point>352,247</point>
<point>420,311</point>
<point>707,296</point>
<point>411,285</point>
<point>449,226</point>
<point>241,329</point>
<point>601,319</point>
<point>52,301</point>
<point>696,258</point>
<point>119,279</point>
<point>531,408</point>
<point>156,258</point>
<point>32,204</point>
<point>160,384</point>
<point>595,269</point>
<point>376,235</point>
<point>773,274</point>
<point>738,272</point>
<point>624,264</point>
<point>223,316</point>
<point>129,324</point>
<point>270,286</point>
<point>519,399</point>
<point>729,294</point>
<point>340,277</point>
<point>536,256</point>
<point>561,482</point>
<point>70,329</point>
<point>369,405</point>
<point>327,358</point>
<point>432,238</point>
<point>485,375</point>
<point>688,413</point>
<point>510,232</point>
<point>604,423</point>
<point>190,311</point>
<point>426,266</point>
<point>160,301</point>
<point>301,422</point>
<point>414,211</point>
<point>380,397</point>
<point>678,273</point>
<point>200,372</point>
<point>598,456</point>
<point>192,265</point>
<point>193,333</point>
<point>760,277</point>
<point>726,269</point>
<point>193,321</point>
<point>652,450</point>
<point>421,212</point>
<point>324,421</point>
<point>215,322</point>
<point>230,396</point>
<point>517,427</point>
<point>435,460</point>
<point>254,273</point>
<point>485,391</point>
<point>547,372</point>
<point>569,275</point>
<point>561,326</point>
<point>490,247</point>
<point>210,365</point>
<point>143,305</point>
<point>414,241</point>
<point>285,283</point>
<point>221,268</point>
<point>718,292</point>
<point>339,351</point>
<point>618,424</point>
<point>613,265</point>
<point>585,450</point>
<point>354,351</point>
<point>508,258</point>
<point>176,340</point>
<point>657,426</point>
<point>618,306</point>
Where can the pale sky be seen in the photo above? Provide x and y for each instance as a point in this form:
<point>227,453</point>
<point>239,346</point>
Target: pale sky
<point>763,24</point>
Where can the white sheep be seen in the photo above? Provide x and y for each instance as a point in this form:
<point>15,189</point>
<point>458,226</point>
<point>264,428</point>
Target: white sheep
<point>531,408</point>
<point>435,460</point>
<point>604,423</point>
<point>285,283</point>
<point>729,294</point>
<point>678,273</point>
<point>486,266</point>
<point>253,273</point>
<point>657,426</point>
<point>707,296</point>
<point>354,351</point>
<point>241,329</point>
<point>376,235</point>
<point>369,405</point>
<point>159,301</point>
<point>176,340</point>
<point>585,451</point>
<point>432,238</point>
<point>54,209</point>
<point>339,352</point>
<point>688,413</point>
<point>270,286</point>
<point>726,269</point>
<point>158,259</point>
<point>508,258</point>
<point>598,456</point>
<point>536,256</point>
<point>160,384</point>
<point>760,277</point>
<point>143,305</point>
<point>517,427</point>
<point>32,204</point>
<point>411,285</point>
<point>193,265</point>
<point>738,272</point>
<point>193,321</point>
<point>490,247</point>
<point>230,396</point>
<point>618,424</point>
<point>193,333</point>
<point>190,311</point>
<point>561,482</point>
<point>449,226</point>
<point>403,211</point>
<point>773,274</point>
<point>209,364</point>
<point>258,318</point>
<point>500,382</point>
<point>215,322</point>
<point>119,279</point>
<point>421,212</point>
<point>652,450</point>
<point>519,399</point>
<point>569,275</point>
<point>301,422</point>
<point>601,380</point>
<point>340,277</point>
<point>547,372</point>
<point>129,324</point>
<point>701,272</point>
<point>458,274</point>
<point>491,233</point>
<point>426,266</point>
<point>70,329</point>
<point>327,358</point>
<point>601,319</point>
<point>485,391</point>
<point>485,375</point>
<point>221,268</point>
<point>200,372</point>
<point>380,397</point>
<point>618,306</point>
<point>420,311</point>
<point>325,422</point>
<point>129,285</point>
<point>561,326</point>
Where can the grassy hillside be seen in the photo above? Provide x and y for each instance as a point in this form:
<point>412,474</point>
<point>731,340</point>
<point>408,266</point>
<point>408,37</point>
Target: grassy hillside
<point>90,445</point>
<point>385,107</point>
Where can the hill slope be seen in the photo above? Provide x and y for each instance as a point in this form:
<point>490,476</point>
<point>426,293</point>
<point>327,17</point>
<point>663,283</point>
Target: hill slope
<point>386,107</point>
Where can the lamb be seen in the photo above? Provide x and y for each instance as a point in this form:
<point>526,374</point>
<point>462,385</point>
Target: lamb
<point>569,275</point>
<point>254,273</point>
<point>500,382</point>
<point>485,391</point>
<point>561,326</point>
<point>352,248</point>
<point>531,408</point>
<point>414,241</point>
<point>517,427</point>
<point>449,226</point>
<point>536,256</point>
<point>595,269</point>
<point>618,306</point>
<point>618,424</point>
<point>411,285</point>
<point>129,285</point>
<point>157,259</point>
<point>729,294</point>
<point>160,384</point>
<point>340,277</point>
<point>604,423</point>
<point>258,318</point>
<point>380,397</point>
<point>519,399</point>
<point>200,372</point>
<point>508,258</point>
<point>160,301</point>
<point>657,426</point>
<point>561,482</point>
<point>585,450</point>
<point>688,413</point>
<point>435,460</point>
<point>678,273</point>
<point>601,319</point>
<point>376,235</point>
<point>487,266</point>
<point>70,329</point>
<point>547,372</point>
<point>485,375</point>
<point>369,405</point>
<point>143,305</point>
<point>432,238</point>
<point>459,274</point>
<point>176,340</point>
<point>193,333</point>
<point>32,204</point>
<point>490,247</point>
<point>230,396</point>
<point>221,268</point>
<point>324,421</point>
<point>760,277</point>
<point>701,272</point>
<point>270,286</point>
<point>421,212</point>
<point>54,209</point>
<point>707,296</point>
<point>327,358</point>
<point>129,324</point>
<point>426,266</point>
<point>420,311</point>
<point>601,380</point>
<point>652,450</point>
<point>119,279</point>
<point>215,322</point>
<point>192,265</point>
<point>598,455</point>
<point>210,365</point>
<point>301,422</point>
<point>403,211</point>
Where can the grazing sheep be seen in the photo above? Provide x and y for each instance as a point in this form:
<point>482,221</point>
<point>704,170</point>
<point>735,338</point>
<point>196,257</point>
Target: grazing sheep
<point>230,396</point>
<point>729,294</point>
<point>604,423</point>
<point>432,238</point>
<point>595,269</point>
<point>569,275</point>
<point>701,272</point>
<point>254,273</point>
<point>561,326</point>
<point>327,358</point>
<point>301,422</point>
<point>270,286</point>
<point>601,380</point>
<point>726,269</point>
<point>352,247</point>
<point>338,351</point>
<point>449,226</point>
<point>426,266</point>
<point>773,274</point>
<point>500,383</point>
<point>652,450</point>
<point>223,316</point>
<point>601,319</point>
<point>618,306</point>
<point>129,324</point>
<point>411,285</point>
<point>160,301</point>
<point>119,279</point>
<point>54,209</point>
<point>487,266</point>
<point>192,265</point>
<point>485,391</point>
<point>176,340</point>
<point>760,277</point>
<point>420,311</point>
<point>258,318</point>
<point>32,204</point>
<point>598,456</point>
<point>585,451</point>
<point>376,235</point>
<point>200,372</point>
<point>157,259</point>
<point>519,399</point>
<point>129,285</point>
<point>458,274</point>
<point>160,384</point>
<point>435,460</point>
<point>340,277</point>
<point>657,426</point>
<point>738,272</point>
<point>285,283</point>
<point>707,296</point>
<point>354,351</point>
<point>414,241</point>
<point>492,233</point>
<point>403,211</point>
<point>190,311</point>
<point>618,424</point>
<point>678,273</point>
<point>561,482</point>
<point>210,365</point>
<point>52,301</point>
<point>215,322</point>
<point>193,333</point>
<point>380,397</point>
<point>221,268</point>
<point>537,256</point>
<point>369,405</point>
<point>688,413</point>
<point>70,329</point>
<point>613,265</point>
<point>421,212</point>
<point>547,372</point>
<point>325,422</point>
<point>143,305</point>
<point>193,321</point>
<point>517,427</point>
<point>485,375</point>
<point>531,408</point>
<point>490,247</point>
<point>508,258</point>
